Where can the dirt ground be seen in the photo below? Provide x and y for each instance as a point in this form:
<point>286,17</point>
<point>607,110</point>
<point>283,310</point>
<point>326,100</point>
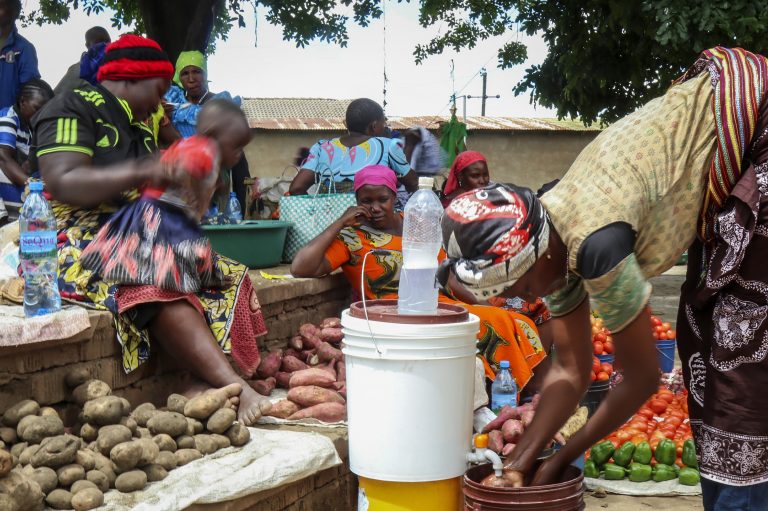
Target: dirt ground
<point>627,503</point>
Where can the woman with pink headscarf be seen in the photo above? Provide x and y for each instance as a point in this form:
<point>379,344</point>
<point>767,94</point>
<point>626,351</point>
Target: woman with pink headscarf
<point>374,229</point>
<point>469,171</point>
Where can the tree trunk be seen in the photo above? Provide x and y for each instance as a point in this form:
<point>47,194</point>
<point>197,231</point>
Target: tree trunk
<point>179,25</point>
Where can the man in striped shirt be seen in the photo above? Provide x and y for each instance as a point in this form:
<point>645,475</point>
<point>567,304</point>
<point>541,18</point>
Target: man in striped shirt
<point>15,139</point>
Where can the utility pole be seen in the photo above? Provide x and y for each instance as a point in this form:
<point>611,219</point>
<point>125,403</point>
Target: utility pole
<point>485,96</point>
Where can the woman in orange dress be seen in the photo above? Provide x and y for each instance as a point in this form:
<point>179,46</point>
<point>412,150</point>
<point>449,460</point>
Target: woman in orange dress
<point>366,243</point>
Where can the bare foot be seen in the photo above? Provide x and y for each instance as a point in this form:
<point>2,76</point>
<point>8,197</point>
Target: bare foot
<point>252,406</point>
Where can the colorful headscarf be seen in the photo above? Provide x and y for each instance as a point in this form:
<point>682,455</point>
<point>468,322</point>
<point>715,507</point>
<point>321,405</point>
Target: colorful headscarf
<point>462,161</point>
<point>189,58</point>
<point>493,236</point>
<point>133,57</point>
<point>376,175</point>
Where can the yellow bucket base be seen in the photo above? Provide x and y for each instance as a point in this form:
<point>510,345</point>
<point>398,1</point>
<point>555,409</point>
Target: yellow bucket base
<point>442,495</point>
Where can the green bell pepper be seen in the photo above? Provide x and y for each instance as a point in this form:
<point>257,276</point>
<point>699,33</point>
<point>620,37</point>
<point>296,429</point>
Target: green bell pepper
<point>666,452</point>
<point>601,453</point>
<point>689,476</point>
<point>663,472</point>
<point>642,453</point>
<point>689,454</point>
<point>623,455</point>
<point>591,470</point>
<point>614,472</point>
<point>639,473</point>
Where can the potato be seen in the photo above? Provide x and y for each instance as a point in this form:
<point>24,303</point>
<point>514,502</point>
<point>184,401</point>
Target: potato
<point>14,414</point>
<point>326,353</point>
<point>131,481</point>
<point>205,444</point>
<point>47,411</point>
<point>89,432</point>
<point>77,377</point>
<point>68,474</point>
<point>201,407</point>
<point>155,472</point>
<point>130,423</point>
<point>6,463</point>
<point>194,427</point>
<point>167,460</point>
<point>126,455</point>
<point>9,436</point>
<point>88,498</point>
<point>92,389</point>
<point>103,462</point>
<point>142,413</point>
<point>270,364</point>
<point>46,478</point>
<point>331,334</point>
<point>313,395</point>
<point>185,456</point>
<point>222,442</point>
<point>282,409</point>
<point>24,423</point>
<point>86,459</point>
<point>21,491</point>
<point>142,433</point>
<point>221,420</point>
<point>103,410</point>
<point>291,364</point>
<point>238,434</point>
<point>17,449</point>
<point>312,376</point>
<point>110,436</point>
<point>98,478</point>
<point>264,387</point>
<point>165,442</point>
<point>326,412</point>
<point>149,451</point>
<point>170,423</point>
<point>185,442</point>
<point>176,403</point>
<point>56,451</point>
<point>126,406</point>
<point>283,379</point>
<point>81,485</point>
<point>30,451</point>
<point>42,427</point>
<point>59,499</point>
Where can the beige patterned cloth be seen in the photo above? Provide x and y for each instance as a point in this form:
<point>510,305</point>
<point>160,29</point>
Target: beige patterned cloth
<point>649,170</point>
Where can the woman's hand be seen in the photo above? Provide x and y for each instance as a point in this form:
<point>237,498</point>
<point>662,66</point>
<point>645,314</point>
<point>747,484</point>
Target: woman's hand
<point>550,471</point>
<point>354,216</point>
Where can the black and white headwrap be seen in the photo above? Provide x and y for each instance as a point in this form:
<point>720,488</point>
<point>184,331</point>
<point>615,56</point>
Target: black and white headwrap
<point>493,236</point>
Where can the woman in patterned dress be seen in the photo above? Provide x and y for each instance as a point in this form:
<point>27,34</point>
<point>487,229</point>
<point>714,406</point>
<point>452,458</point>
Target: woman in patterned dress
<point>689,169</point>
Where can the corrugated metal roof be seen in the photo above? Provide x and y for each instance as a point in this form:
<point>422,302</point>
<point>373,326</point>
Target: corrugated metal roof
<point>299,108</point>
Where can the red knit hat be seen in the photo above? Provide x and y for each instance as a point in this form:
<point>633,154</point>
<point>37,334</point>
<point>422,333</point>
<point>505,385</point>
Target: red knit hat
<point>133,57</point>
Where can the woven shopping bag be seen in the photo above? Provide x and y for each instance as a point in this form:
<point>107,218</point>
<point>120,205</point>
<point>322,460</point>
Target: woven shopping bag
<point>310,215</point>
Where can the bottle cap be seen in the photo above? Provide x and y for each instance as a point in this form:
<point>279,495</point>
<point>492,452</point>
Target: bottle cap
<point>232,194</point>
<point>36,186</point>
<point>426,183</point>
<point>504,364</point>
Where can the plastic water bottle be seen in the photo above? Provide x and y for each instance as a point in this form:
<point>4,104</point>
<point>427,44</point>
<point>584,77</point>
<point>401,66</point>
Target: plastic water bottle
<point>37,253</point>
<point>504,388</point>
<point>422,239</point>
<point>234,213</point>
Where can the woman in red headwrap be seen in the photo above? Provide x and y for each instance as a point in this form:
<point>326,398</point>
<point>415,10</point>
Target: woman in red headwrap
<point>469,171</point>
<point>374,229</point>
<point>95,153</point>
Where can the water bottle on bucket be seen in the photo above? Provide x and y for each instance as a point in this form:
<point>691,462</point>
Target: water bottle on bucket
<point>234,213</point>
<point>504,388</point>
<point>422,239</point>
<point>37,252</point>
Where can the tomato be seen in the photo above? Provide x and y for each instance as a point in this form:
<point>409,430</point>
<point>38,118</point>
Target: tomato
<point>598,347</point>
<point>666,326</point>
<point>665,397</point>
<point>599,337</point>
<point>679,462</point>
<point>676,421</point>
<point>669,435</point>
<point>678,413</point>
<point>594,376</point>
<point>603,376</point>
<point>655,321</point>
<point>645,412</point>
<point>658,406</point>
<point>662,336</point>
<point>641,437</point>
<point>659,328</point>
<point>608,347</point>
<point>595,365</point>
<point>622,435</point>
<point>670,334</point>
<point>595,330</point>
<point>655,335</point>
<point>606,367</point>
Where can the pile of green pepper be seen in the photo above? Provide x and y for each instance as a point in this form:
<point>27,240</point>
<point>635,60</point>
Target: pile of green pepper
<point>634,462</point>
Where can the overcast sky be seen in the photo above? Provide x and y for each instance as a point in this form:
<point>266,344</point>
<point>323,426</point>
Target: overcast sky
<point>275,68</point>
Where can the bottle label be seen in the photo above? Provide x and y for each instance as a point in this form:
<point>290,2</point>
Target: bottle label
<point>37,242</point>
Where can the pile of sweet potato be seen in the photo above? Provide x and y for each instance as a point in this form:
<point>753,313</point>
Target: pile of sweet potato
<point>506,429</point>
<point>312,369</point>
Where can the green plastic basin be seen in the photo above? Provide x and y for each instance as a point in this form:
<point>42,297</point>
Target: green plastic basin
<point>255,243</point>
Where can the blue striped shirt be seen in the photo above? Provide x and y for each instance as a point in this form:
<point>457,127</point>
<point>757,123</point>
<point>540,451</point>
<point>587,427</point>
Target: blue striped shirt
<point>17,137</point>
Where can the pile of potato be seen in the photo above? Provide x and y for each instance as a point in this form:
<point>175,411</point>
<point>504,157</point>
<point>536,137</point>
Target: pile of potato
<point>116,447</point>
<point>313,371</point>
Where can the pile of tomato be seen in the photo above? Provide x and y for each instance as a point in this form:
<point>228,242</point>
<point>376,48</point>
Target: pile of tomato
<point>662,331</point>
<point>664,415</point>
<point>602,341</point>
<point>601,371</point>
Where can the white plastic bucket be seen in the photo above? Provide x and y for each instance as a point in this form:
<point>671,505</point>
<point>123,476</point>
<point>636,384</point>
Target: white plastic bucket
<point>409,398</point>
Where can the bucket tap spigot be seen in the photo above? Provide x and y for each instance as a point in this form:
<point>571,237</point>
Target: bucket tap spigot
<point>481,454</point>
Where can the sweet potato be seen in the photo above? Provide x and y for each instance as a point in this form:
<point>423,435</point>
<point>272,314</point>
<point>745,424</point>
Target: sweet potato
<point>270,364</point>
<point>307,354</point>
<point>507,450</point>
<point>326,353</point>
<point>342,390</point>
<point>341,371</point>
<point>312,395</point>
<point>308,330</point>
<point>326,412</point>
<point>330,323</point>
<point>283,379</point>
<point>283,409</point>
<point>291,364</point>
<point>330,368</point>
<point>505,414</point>
<point>495,441</point>
<point>313,360</point>
<point>296,343</point>
<point>527,417</point>
<point>333,335</point>
<point>311,376</point>
<point>512,430</point>
<point>290,352</point>
<point>263,387</point>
